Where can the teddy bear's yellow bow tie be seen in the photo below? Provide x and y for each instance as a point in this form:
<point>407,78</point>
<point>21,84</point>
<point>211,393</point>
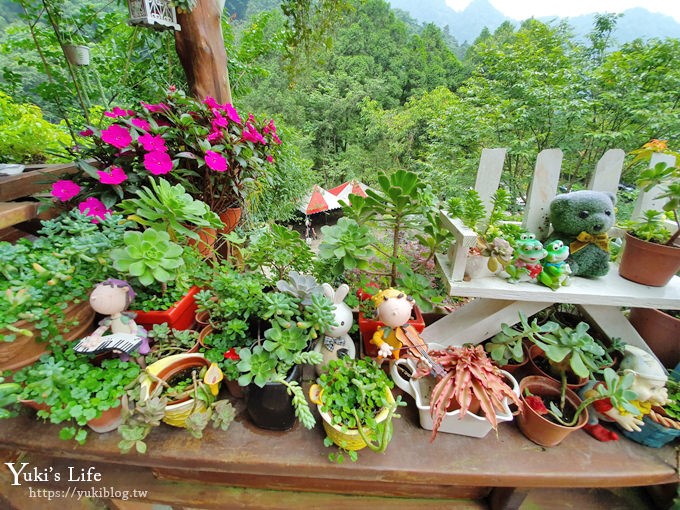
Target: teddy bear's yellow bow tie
<point>584,239</point>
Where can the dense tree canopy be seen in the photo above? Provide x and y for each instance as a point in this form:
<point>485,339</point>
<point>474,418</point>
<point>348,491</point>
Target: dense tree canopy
<point>377,93</point>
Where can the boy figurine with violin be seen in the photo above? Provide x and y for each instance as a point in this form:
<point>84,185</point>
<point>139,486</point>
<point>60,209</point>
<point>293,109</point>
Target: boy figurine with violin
<point>397,336</point>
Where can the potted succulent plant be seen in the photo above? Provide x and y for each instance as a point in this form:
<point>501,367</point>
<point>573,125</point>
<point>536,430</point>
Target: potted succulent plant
<point>166,341</point>
<point>356,405</point>
<point>163,274</point>
<point>550,412</point>
<point>471,399</point>
<point>651,255</point>
<point>43,291</point>
<point>67,387</point>
<point>297,313</point>
<point>180,390</point>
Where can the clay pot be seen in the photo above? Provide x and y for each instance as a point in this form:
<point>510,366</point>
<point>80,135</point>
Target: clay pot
<point>540,429</point>
<point>648,263</point>
<point>230,218</point>
<point>108,421</point>
<point>660,331</point>
<point>535,352</point>
<point>25,350</point>
<point>179,316</point>
<point>206,241</point>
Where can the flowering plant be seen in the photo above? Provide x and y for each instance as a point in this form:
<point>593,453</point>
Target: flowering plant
<point>218,156</point>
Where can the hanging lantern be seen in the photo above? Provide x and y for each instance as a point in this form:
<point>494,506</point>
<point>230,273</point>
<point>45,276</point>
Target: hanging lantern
<point>157,14</point>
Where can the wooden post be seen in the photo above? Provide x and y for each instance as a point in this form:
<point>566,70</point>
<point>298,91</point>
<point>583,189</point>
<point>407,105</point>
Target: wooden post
<point>200,47</point>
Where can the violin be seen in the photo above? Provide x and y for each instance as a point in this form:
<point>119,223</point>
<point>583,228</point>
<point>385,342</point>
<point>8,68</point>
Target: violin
<point>412,341</point>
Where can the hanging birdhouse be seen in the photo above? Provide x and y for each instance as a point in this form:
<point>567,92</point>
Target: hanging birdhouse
<point>156,14</point>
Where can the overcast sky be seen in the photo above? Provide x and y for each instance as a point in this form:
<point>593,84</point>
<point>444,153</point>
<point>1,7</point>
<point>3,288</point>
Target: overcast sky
<point>522,9</point>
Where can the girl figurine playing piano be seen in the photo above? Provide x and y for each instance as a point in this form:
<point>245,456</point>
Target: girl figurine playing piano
<point>112,298</point>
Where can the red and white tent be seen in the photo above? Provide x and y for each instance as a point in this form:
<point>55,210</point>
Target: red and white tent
<point>319,200</point>
<point>348,188</point>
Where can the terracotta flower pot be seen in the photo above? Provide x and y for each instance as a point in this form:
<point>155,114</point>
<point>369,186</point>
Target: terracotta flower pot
<point>535,352</point>
<point>180,316</point>
<point>660,331</point>
<point>206,241</point>
<point>230,218</point>
<point>538,428</point>
<point>25,350</point>
<point>648,263</point>
<point>108,421</point>
<point>177,411</point>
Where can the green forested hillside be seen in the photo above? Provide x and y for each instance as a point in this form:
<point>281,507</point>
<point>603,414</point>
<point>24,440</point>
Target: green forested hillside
<point>385,94</point>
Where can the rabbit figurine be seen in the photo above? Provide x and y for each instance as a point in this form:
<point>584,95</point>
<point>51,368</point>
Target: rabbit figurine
<point>336,343</point>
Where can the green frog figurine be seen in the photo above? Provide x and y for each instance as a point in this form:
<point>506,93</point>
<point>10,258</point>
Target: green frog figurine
<point>526,263</point>
<point>556,272</point>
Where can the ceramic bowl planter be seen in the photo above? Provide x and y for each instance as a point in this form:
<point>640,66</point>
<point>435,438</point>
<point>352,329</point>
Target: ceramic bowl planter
<point>25,349</point>
<point>648,263</point>
<point>270,407</point>
<point>471,424</point>
<point>181,315</point>
<point>538,428</point>
<point>178,411</point>
<point>659,429</point>
<point>349,439</point>
<point>661,332</point>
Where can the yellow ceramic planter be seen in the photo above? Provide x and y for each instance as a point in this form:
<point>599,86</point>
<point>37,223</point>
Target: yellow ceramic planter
<point>176,413</point>
<point>349,440</point>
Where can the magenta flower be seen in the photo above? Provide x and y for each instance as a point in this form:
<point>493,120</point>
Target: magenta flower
<point>141,124</point>
<point>271,129</point>
<point>118,112</point>
<point>157,162</point>
<point>251,134</point>
<point>95,208</point>
<point>152,143</point>
<point>215,135</point>
<point>117,136</point>
<point>219,121</point>
<point>211,103</point>
<point>65,190</point>
<point>216,161</point>
<point>232,113</point>
<point>155,108</point>
<point>270,158</point>
<point>115,175</point>
<point>86,132</point>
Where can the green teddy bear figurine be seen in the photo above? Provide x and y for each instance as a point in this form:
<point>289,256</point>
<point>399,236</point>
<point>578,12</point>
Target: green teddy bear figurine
<point>581,219</point>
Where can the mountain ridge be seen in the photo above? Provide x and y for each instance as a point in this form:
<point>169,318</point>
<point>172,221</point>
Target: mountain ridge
<point>467,24</point>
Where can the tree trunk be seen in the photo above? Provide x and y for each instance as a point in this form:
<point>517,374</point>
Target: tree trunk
<point>200,48</point>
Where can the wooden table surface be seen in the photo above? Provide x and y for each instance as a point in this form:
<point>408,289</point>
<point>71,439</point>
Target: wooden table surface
<point>451,467</point>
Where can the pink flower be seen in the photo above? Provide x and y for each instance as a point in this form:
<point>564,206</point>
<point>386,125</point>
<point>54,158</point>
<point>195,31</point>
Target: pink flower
<point>232,113</point>
<point>211,103</point>
<point>117,136</point>
<point>152,143</point>
<point>157,162</point>
<point>118,112</point>
<point>65,190</point>
<point>141,124</point>
<point>115,175</point>
<point>215,135</point>
<point>172,88</point>
<point>251,134</point>
<point>86,132</point>
<point>276,139</point>
<point>219,121</point>
<point>95,208</point>
<point>216,161</point>
<point>270,158</point>
<point>155,108</point>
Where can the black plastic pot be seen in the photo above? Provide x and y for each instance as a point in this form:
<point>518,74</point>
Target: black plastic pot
<point>270,407</point>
